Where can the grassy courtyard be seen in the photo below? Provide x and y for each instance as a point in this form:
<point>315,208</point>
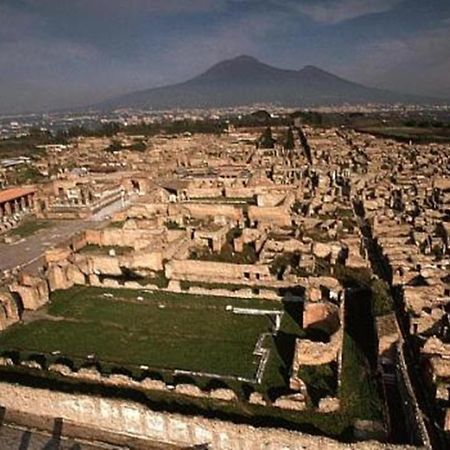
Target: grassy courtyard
<point>29,227</point>
<point>160,330</point>
<point>126,328</point>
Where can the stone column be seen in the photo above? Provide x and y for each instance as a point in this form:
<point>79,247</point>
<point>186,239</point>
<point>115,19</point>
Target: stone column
<point>23,203</point>
<point>8,210</point>
<point>17,207</point>
<point>1,211</point>
<point>31,200</point>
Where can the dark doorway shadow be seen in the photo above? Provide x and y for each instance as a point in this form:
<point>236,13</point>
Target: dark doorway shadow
<point>25,440</point>
<point>2,415</point>
<point>55,440</point>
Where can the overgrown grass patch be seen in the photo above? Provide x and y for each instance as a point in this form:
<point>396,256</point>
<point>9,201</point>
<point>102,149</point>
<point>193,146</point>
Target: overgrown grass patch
<point>30,227</point>
<point>164,330</point>
<point>321,381</point>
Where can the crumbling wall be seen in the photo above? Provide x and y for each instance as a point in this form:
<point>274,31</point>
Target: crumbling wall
<point>208,271</point>
<point>204,211</point>
<point>9,311</point>
<point>269,215</point>
<point>32,290</point>
<point>323,316</point>
<point>134,238</point>
<point>134,419</point>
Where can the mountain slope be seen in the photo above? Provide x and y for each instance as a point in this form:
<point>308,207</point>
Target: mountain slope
<point>245,81</point>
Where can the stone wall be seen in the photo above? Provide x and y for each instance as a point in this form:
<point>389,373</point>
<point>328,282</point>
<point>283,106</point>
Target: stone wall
<point>269,215</point>
<point>210,271</point>
<point>196,192</point>
<point>205,211</point>
<point>9,311</point>
<point>134,238</point>
<point>323,316</point>
<point>133,419</point>
<point>32,290</point>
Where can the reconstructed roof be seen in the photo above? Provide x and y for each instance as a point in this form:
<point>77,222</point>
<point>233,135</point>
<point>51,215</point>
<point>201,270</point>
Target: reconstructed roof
<point>13,193</point>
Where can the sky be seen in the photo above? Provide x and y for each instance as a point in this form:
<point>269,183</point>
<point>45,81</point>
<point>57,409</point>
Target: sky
<point>66,53</point>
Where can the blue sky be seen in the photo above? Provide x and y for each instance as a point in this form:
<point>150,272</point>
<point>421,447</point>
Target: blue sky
<point>58,53</point>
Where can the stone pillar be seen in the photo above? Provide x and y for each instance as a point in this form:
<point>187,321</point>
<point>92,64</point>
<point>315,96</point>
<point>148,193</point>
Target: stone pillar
<point>1,211</point>
<point>8,209</point>
<point>31,200</point>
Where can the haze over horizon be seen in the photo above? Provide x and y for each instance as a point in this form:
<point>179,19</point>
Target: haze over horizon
<point>68,53</point>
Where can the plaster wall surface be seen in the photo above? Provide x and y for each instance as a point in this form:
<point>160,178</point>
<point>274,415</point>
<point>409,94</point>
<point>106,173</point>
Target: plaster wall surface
<point>133,419</point>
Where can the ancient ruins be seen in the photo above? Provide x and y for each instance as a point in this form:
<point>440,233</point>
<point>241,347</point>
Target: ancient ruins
<point>260,278</point>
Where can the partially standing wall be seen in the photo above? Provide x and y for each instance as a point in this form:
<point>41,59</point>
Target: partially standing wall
<point>134,419</point>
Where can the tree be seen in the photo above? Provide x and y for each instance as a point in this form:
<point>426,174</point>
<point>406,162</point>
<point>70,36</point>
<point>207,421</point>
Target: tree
<point>266,140</point>
<point>290,142</point>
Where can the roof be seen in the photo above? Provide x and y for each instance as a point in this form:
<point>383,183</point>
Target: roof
<point>13,193</point>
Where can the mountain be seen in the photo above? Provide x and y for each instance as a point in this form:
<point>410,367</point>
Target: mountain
<point>245,81</point>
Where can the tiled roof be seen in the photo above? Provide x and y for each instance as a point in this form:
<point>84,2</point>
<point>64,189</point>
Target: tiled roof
<point>11,194</point>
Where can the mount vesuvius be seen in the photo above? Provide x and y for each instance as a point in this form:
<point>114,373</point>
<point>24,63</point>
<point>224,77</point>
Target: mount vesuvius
<point>245,81</point>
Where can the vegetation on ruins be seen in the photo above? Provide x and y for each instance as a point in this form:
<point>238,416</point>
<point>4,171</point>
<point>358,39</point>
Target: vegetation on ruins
<point>289,144</point>
<point>173,225</point>
<point>417,135</point>
<point>164,331</point>
<point>266,140</point>
<point>29,227</point>
<point>358,390</point>
<point>25,145</point>
<point>381,298</point>
<point>115,146</point>
<point>382,301</point>
<point>157,278</point>
<point>282,262</point>
<point>105,249</point>
<point>321,381</point>
<point>26,174</point>
<point>206,126</point>
<point>317,234</point>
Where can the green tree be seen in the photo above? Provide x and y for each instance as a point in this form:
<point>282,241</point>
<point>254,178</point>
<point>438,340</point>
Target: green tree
<point>290,142</point>
<point>266,140</point>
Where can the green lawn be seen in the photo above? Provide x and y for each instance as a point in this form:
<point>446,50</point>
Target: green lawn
<point>105,249</point>
<point>164,331</point>
<point>175,330</point>
<point>415,134</point>
<point>29,227</point>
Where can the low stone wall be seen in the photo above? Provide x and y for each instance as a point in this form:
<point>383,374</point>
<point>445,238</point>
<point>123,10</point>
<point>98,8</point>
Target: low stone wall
<point>9,311</point>
<point>207,210</point>
<point>133,419</point>
<point>32,290</point>
<point>135,238</point>
<point>207,271</point>
<point>241,293</point>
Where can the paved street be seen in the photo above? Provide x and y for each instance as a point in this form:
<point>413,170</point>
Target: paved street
<point>31,248</point>
<point>28,250</point>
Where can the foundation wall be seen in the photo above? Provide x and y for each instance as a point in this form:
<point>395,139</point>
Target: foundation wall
<point>133,419</point>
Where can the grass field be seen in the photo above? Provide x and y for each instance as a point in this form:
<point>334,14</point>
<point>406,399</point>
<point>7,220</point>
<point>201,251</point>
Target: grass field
<point>173,330</point>
<point>163,331</point>
<point>414,134</point>
<point>29,227</point>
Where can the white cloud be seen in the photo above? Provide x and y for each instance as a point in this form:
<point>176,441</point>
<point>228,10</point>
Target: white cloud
<point>335,11</point>
<point>418,64</point>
